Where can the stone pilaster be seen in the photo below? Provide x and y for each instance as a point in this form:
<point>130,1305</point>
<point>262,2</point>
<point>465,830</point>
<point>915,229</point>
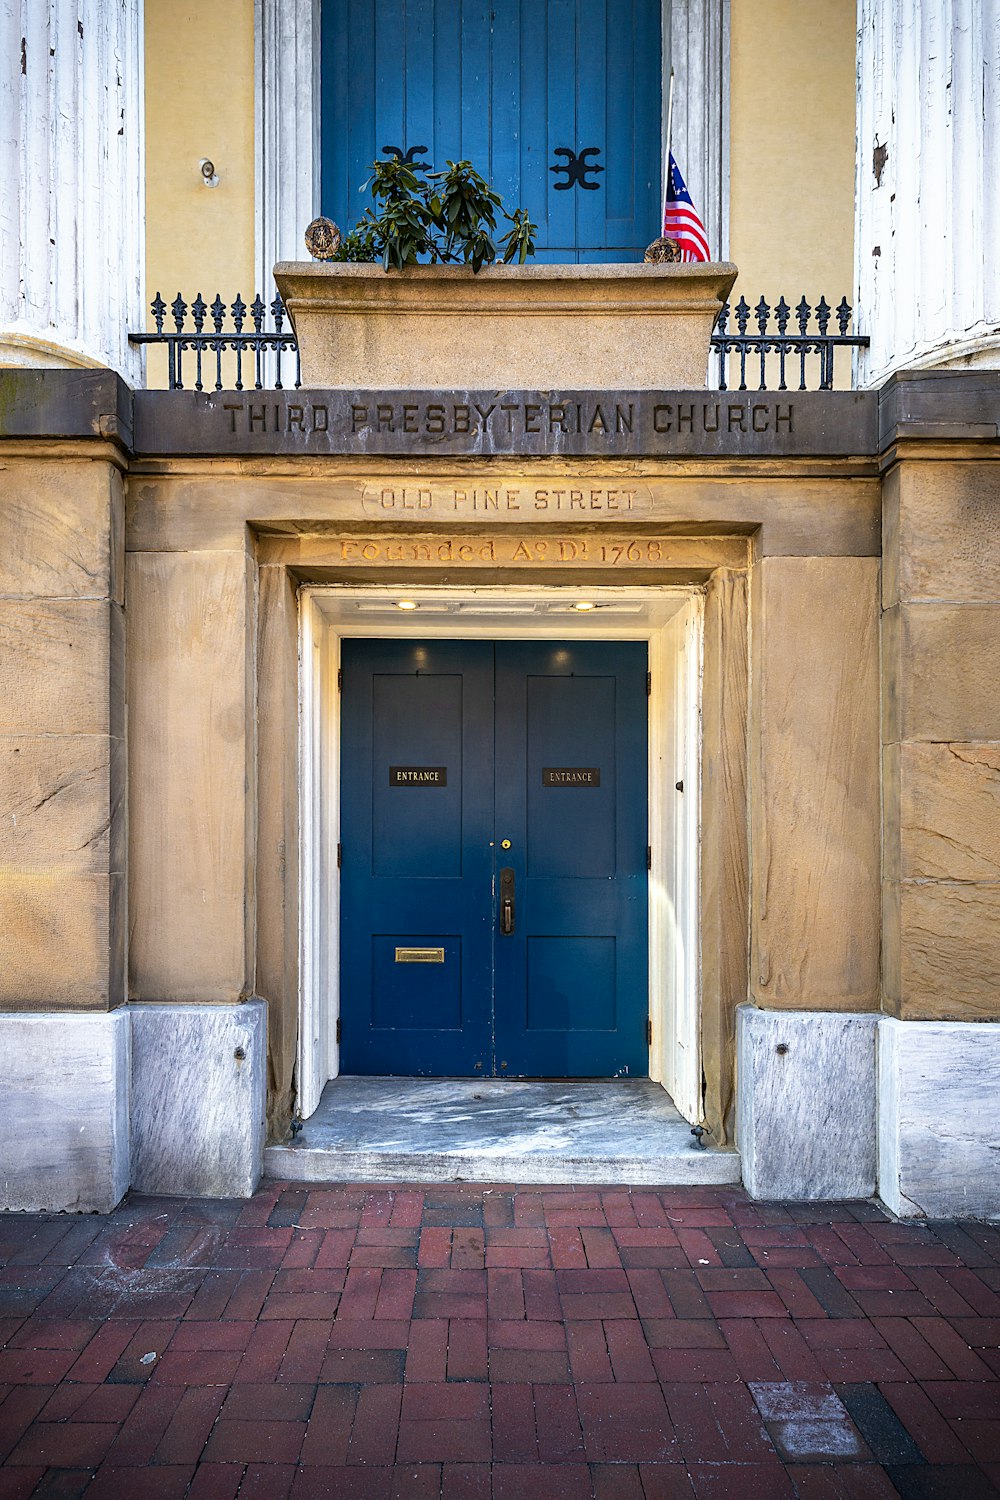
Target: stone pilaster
<point>192,824</point>
<point>928,215</point>
<point>71,213</point>
<point>939,1044</point>
<point>814,800</point>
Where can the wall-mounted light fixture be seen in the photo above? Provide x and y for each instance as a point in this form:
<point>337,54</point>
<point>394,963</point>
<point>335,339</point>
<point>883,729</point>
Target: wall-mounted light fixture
<point>209,176</point>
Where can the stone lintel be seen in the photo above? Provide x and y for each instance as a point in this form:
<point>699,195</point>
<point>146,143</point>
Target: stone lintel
<point>919,404</point>
<point>435,423</point>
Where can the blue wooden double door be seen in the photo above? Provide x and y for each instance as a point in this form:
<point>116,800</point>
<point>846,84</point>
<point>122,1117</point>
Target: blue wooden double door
<point>556,102</point>
<point>493,880</point>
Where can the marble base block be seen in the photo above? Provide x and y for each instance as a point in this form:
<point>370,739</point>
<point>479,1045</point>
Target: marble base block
<point>64,1126</point>
<point>198,1098</point>
<point>938,1127</point>
<point>805,1104</point>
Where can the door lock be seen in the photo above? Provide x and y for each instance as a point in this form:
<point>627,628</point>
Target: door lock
<point>507,901</point>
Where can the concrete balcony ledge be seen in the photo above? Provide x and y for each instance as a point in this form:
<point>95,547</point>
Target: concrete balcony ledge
<point>642,326</point>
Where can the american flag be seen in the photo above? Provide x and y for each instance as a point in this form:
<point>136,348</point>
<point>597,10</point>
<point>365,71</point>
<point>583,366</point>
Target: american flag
<point>680,217</point>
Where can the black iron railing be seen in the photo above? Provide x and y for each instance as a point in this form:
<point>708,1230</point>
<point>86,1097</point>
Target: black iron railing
<point>809,348</point>
<point>235,352</point>
<point>245,352</point>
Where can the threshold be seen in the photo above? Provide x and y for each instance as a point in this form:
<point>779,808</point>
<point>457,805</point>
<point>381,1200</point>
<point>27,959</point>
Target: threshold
<point>499,1130</point>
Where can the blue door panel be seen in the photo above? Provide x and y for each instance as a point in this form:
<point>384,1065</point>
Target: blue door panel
<point>507,85</point>
<point>417,860</point>
<point>578,853</point>
<point>399,1004</point>
<point>506,62</point>
<point>572,984</point>
<point>417,721</point>
<point>450,749</point>
<point>570,722</point>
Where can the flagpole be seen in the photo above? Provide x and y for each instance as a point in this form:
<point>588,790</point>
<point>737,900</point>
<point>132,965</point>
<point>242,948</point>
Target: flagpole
<point>666,154</point>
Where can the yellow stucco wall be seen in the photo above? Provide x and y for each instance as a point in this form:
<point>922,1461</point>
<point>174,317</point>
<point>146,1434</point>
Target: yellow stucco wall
<point>199,104</point>
<point>792,148</point>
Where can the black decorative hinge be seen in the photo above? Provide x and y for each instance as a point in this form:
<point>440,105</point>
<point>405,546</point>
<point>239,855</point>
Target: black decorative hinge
<point>649,1033</point>
<point>338,1030</point>
<point>340,679</point>
<point>577,167</point>
<point>406,157</point>
<point>340,855</point>
<point>649,856</point>
<point>649,684</point>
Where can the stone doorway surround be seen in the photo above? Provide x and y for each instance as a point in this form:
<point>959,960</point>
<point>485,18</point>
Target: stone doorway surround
<point>221,552</point>
<point>669,618</point>
<point>232,503</point>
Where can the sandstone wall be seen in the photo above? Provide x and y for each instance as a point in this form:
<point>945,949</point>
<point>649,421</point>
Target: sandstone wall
<point>192,774</point>
<point>941,739</point>
<point>814,783</point>
<point>62,727</point>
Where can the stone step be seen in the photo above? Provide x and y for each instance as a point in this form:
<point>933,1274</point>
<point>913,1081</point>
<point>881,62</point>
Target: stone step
<point>499,1130</point>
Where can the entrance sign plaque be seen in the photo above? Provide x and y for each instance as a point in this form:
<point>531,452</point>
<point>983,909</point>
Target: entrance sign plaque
<point>571,776</point>
<point>418,775</point>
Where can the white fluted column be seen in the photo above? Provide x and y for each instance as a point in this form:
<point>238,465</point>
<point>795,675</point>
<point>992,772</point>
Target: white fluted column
<point>286,126</point>
<point>699,134</point>
<point>928,209</point>
<point>71,183</point>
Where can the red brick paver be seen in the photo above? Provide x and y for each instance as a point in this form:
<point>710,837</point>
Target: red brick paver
<point>490,1343</point>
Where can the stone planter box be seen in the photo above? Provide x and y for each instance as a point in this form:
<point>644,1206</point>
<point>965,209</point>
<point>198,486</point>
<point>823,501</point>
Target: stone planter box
<point>536,327</point>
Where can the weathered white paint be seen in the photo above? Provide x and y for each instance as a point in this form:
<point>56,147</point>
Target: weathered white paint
<point>928,210</point>
<point>286,130</point>
<point>670,620</point>
<point>675,659</point>
<point>699,56</point>
<point>319,821</point>
<point>71,184</point>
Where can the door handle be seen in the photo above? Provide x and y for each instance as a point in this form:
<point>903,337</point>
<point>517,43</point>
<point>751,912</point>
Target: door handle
<point>507,902</point>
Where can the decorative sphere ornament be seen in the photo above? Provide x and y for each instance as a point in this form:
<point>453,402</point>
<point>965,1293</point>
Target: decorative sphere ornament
<point>663,251</point>
<point>322,239</point>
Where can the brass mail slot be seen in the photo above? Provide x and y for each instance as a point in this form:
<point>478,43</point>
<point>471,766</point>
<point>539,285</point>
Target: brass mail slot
<point>420,955</point>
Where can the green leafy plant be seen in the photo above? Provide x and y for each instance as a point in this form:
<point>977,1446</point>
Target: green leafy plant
<point>448,217</point>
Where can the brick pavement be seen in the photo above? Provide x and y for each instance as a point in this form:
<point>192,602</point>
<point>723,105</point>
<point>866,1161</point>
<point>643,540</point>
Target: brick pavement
<point>463,1342</point>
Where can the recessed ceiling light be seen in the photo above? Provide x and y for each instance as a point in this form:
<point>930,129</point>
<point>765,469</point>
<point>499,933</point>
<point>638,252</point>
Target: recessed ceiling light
<point>584,604</point>
<point>406,604</point>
